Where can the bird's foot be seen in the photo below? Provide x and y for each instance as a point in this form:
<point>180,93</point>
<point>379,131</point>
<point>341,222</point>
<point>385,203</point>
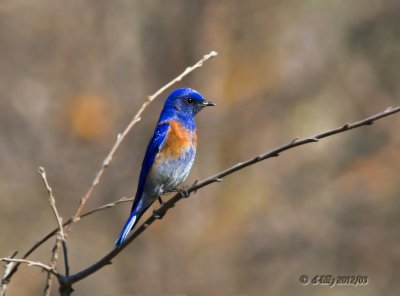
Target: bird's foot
<point>183,191</point>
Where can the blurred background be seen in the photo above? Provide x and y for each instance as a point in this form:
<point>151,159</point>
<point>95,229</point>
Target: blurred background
<point>73,73</point>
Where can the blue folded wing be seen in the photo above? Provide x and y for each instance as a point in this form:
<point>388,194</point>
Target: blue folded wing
<point>154,147</point>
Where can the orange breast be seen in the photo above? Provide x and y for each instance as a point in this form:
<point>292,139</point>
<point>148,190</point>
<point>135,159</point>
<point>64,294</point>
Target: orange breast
<point>177,141</point>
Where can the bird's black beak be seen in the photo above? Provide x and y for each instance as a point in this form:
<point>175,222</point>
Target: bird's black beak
<point>207,103</point>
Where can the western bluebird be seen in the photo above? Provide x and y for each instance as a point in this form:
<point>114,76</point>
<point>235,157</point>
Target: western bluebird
<point>169,155</point>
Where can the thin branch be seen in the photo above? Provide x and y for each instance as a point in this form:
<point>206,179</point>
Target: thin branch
<point>122,135</point>
<point>32,263</point>
<point>67,282</point>
<point>65,253</point>
<point>7,269</point>
<point>41,241</point>
<point>52,201</point>
<point>53,263</point>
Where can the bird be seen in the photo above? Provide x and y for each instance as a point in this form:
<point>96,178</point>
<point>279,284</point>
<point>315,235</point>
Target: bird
<point>169,155</point>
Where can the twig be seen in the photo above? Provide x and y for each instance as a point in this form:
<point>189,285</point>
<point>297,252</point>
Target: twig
<point>32,263</point>
<point>54,231</point>
<point>52,200</point>
<point>53,263</point>
<point>67,282</point>
<point>122,135</point>
<point>7,269</point>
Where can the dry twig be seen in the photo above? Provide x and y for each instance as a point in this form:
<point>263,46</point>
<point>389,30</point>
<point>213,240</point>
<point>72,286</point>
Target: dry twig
<point>41,241</point>
<point>53,263</point>
<point>7,269</point>
<point>52,201</point>
<point>32,263</point>
<point>60,238</point>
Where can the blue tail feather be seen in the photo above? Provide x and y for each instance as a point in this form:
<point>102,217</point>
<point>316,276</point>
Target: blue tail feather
<point>129,224</point>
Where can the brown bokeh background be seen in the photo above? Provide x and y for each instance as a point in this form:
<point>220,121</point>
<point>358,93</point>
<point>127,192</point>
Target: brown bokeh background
<point>72,74</point>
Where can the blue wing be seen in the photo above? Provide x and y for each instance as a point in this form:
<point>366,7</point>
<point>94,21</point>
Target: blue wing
<point>155,145</point>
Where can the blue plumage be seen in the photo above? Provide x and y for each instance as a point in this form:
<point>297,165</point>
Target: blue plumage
<point>169,155</point>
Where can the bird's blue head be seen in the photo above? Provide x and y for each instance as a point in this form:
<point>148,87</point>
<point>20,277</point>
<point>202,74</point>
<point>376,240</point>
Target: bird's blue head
<point>186,101</point>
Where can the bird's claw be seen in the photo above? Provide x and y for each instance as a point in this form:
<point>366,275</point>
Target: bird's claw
<point>184,192</point>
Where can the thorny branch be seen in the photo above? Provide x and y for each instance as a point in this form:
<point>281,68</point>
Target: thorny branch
<point>66,282</point>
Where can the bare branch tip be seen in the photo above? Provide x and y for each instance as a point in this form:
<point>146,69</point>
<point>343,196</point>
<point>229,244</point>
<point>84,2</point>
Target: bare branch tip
<point>41,170</point>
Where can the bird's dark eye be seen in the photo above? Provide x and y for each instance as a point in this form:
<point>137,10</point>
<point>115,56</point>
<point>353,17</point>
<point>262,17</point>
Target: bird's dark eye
<point>190,101</point>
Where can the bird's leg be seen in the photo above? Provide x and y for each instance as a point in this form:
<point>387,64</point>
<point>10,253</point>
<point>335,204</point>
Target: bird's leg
<point>160,192</point>
<point>159,212</point>
<point>156,212</point>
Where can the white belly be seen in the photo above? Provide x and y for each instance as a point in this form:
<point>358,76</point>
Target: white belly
<point>168,174</point>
